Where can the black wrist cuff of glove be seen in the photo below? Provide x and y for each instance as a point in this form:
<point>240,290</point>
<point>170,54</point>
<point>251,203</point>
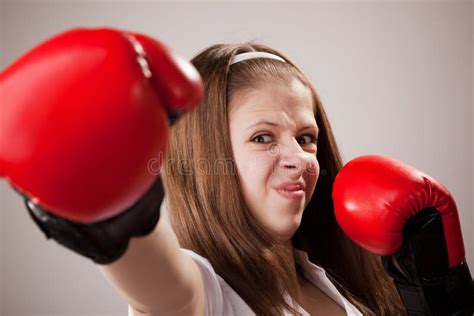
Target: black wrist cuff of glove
<point>420,269</point>
<point>449,294</point>
<point>105,241</point>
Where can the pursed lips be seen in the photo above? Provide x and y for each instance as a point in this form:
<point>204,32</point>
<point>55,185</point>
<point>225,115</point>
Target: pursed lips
<point>291,186</point>
<point>291,190</point>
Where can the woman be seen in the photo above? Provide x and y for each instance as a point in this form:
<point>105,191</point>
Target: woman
<point>252,225</point>
<point>220,180</point>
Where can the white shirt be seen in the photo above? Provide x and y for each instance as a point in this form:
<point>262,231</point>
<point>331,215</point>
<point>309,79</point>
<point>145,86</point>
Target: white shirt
<point>221,299</point>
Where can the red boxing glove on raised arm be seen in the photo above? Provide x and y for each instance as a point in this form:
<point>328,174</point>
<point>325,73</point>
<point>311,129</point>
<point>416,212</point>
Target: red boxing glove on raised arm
<point>83,113</point>
<point>394,210</point>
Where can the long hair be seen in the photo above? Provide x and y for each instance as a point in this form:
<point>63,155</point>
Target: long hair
<point>208,213</point>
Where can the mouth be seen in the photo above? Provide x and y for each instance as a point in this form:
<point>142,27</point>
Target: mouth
<point>292,190</point>
<point>294,195</point>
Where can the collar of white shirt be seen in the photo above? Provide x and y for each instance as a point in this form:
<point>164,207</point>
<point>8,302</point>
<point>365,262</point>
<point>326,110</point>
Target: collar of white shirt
<point>317,276</point>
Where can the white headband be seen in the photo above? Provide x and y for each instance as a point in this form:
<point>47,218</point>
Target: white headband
<point>252,55</point>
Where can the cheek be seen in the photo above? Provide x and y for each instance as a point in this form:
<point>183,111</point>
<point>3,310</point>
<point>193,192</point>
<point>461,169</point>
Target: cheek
<point>313,173</point>
<point>253,166</point>
<point>254,172</point>
<point>314,170</point>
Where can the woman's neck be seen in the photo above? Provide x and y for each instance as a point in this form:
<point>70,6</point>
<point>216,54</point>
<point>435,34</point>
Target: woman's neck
<point>299,276</point>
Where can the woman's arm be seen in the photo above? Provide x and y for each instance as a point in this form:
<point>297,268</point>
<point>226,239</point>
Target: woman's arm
<point>77,183</point>
<point>156,278</point>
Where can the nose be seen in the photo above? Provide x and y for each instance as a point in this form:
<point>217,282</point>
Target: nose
<point>293,161</point>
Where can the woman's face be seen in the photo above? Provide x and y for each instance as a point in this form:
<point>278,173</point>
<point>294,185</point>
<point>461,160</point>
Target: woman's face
<point>273,133</point>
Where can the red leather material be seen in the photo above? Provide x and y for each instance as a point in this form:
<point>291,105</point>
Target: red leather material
<point>374,196</point>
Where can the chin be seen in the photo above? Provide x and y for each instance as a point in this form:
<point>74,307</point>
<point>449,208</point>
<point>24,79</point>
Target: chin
<point>287,233</point>
<point>284,222</point>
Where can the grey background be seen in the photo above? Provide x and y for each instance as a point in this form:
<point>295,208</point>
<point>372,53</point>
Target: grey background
<point>395,79</point>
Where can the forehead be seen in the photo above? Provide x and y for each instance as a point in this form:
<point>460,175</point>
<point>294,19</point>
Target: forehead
<point>270,99</point>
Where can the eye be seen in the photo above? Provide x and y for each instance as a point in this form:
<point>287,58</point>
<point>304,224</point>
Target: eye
<point>308,139</point>
<point>261,138</point>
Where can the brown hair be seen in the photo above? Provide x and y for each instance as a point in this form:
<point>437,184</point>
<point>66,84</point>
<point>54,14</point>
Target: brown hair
<point>209,216</point>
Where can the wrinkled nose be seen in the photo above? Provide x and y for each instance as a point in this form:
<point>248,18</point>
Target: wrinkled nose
<point>293,161</point>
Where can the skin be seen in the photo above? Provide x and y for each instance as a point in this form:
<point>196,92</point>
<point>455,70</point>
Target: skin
<point>268,155</point>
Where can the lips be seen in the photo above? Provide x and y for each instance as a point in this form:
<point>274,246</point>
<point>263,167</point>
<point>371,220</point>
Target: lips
<point>291,190</point>
<point>291,186</point>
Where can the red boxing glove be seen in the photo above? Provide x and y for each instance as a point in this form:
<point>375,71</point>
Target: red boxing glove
<point>82,116</point>
<point>394,210</point>
<point>83,113</point>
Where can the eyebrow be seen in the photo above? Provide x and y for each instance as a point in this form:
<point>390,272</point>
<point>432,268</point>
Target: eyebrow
<point>275,124</point>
